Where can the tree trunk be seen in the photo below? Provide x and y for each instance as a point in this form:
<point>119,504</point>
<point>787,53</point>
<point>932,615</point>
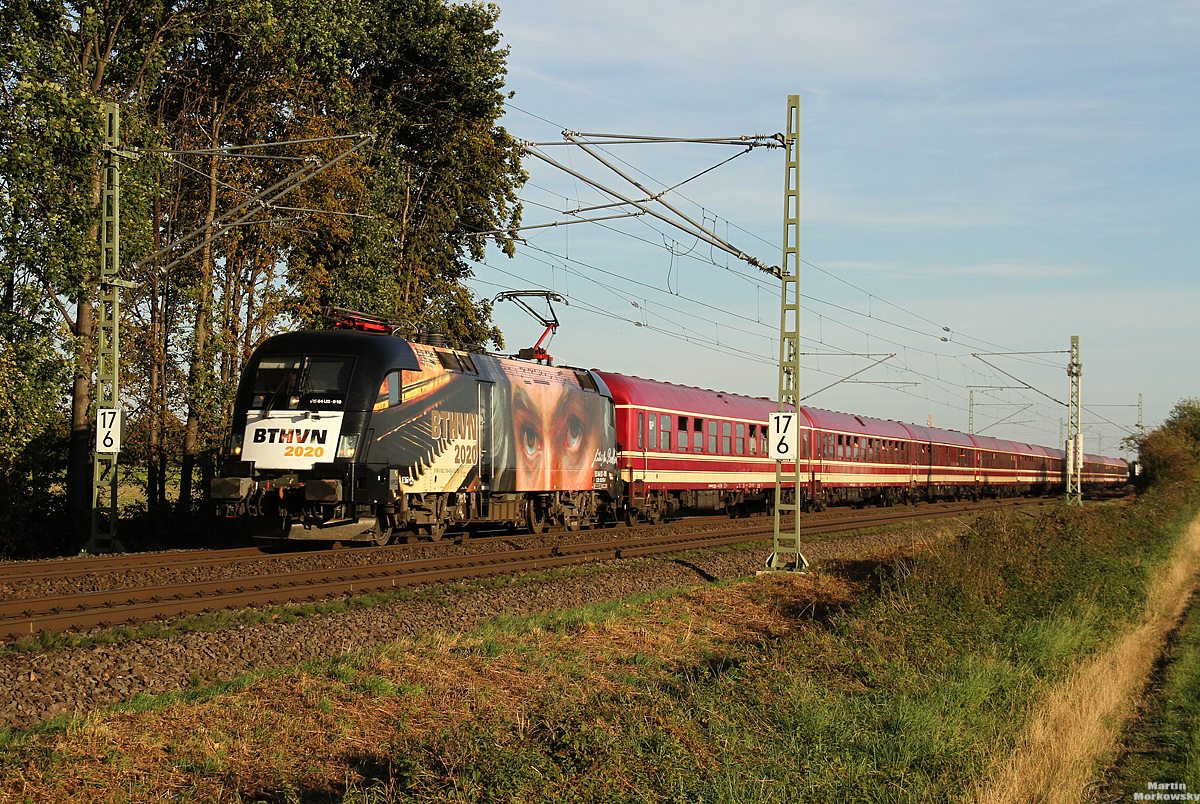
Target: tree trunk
<point>79,458</point>
<point>79,455</point>
<point>192,429</point>
<point>154,467</point>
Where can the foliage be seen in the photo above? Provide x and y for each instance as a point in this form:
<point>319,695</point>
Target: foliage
<point>205,80</point>
<point>428,81</point>
<point>1171,452</point>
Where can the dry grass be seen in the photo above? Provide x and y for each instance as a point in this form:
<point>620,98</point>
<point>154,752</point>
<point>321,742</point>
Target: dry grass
<point>1081,721</point>
<point>317,731</point>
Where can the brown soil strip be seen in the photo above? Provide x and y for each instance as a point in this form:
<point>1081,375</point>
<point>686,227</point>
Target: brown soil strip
<point>1081,720</point>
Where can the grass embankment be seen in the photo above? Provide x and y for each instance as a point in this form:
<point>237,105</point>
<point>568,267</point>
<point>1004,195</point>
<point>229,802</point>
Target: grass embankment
<point>898,678</point>
<point>1163,744</point>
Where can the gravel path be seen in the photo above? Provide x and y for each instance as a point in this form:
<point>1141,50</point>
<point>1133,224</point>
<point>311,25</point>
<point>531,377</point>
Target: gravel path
<point>40,686</point>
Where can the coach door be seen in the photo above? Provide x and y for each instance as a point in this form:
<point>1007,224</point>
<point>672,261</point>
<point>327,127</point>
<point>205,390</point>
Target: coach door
<point>485,447</point>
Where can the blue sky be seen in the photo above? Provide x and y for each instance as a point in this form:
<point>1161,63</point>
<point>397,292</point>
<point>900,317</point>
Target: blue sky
<point>1015,172</point>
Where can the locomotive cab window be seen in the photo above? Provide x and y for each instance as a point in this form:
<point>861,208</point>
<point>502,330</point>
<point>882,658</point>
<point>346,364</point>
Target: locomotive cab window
<point>301,383</point>
<point>389,392</point>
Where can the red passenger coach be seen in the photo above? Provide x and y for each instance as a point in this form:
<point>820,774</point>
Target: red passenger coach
<point>854,459</point>
<point>681,447</point>
<point>944,463</point>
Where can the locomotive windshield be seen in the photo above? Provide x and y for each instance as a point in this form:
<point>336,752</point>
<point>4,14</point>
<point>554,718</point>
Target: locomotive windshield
<point>301,383</point>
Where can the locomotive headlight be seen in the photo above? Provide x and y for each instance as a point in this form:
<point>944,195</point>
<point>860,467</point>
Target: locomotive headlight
<point>235,444</point>
<point>347,446</point>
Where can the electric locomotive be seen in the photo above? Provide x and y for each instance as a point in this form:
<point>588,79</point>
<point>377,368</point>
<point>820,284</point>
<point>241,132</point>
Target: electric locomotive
<point>345,435</point>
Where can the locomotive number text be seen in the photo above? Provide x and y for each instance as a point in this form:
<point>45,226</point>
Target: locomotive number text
<point>303,452</point>
<point>466,453</point>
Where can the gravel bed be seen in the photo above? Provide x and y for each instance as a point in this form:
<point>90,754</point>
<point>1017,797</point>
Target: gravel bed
<point>312,558</point>
<point>40,686</point>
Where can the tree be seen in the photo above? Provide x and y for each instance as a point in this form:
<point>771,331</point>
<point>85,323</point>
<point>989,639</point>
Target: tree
<point>1171,452</point>
<point>64,60</point>
<point>428,80</point>
<point>397,226</point>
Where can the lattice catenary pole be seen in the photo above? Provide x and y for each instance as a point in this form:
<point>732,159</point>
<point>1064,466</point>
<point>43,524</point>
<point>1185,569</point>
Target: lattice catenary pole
<point>109,418</point>
<point>786,554</point>
<point>1074,468</point>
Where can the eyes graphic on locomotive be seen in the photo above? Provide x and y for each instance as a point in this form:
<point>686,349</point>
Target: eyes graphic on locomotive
<point>553,431</point>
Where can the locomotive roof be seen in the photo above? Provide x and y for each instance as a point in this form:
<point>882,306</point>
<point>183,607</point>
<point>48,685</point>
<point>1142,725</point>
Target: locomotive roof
<point>395,352</point>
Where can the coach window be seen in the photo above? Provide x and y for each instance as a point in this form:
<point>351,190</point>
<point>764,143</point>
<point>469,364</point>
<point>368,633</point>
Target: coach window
<point>664,431</point>
<point>741,438</point>
<point>641,431</point>
<point>754,439</point>
<point>726,438</point>
<point>697,435</point>
<point>653,442</point>
<point>712,436</point>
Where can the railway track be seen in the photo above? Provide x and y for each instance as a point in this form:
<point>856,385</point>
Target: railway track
<point>258,577</point>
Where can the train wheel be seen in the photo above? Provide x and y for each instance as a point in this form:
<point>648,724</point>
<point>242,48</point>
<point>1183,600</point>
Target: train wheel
<point>631,517</point>
<point>436,531</point>
<point>382,531</point>
<point>534,520</point>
